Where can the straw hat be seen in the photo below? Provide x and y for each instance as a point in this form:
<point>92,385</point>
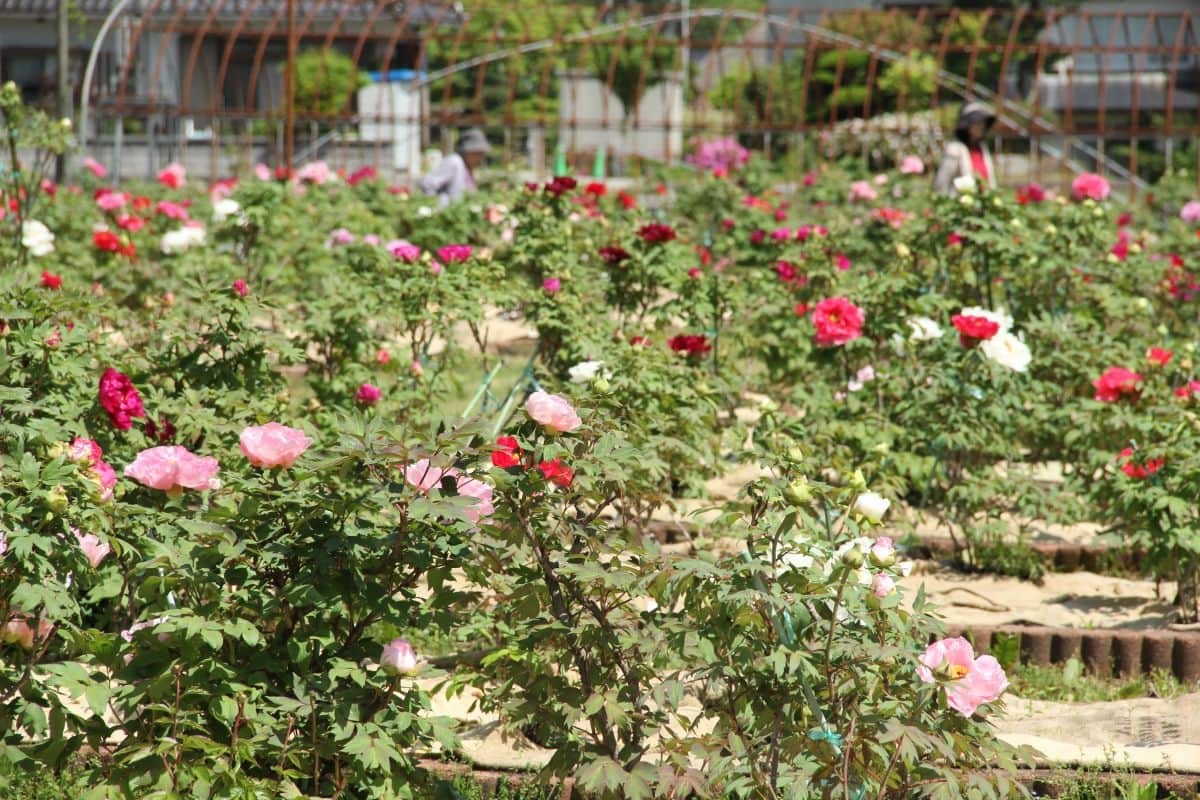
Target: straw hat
<point>472,140</point>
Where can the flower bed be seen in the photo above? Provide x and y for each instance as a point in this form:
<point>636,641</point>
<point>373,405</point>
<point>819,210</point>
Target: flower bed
<point>234,494</point>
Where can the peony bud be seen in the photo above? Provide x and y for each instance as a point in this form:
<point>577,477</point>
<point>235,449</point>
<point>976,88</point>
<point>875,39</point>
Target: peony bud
<point>871,506</point>
<point>798,492</point>
<point>853,557</point>
<point>857,481</point>
<point>56,499</point>
<point>882,585</point>
<point>399,658</point>
<point>883,552</point>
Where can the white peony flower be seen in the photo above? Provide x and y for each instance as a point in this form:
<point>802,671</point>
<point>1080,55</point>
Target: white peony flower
<point>224,209</point>
<point>872,506</point>
<point>924,329</point>
<point>999,317</point>
<point>795,561</point>
<point>585,371</point>
<point>1008,351</point>
<point>37,238</point>
<point>182,239</point>
<point>965,185</point>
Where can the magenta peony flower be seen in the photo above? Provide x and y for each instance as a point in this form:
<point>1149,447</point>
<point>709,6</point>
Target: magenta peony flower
<point>552,411</point>
<point>551,285</point>
<point>403,250</point>
<point>172,468</point>
<point>970,682</point>
<point>454,253</point>
<point>240,288</point>
<point>368,394</point>
<point>273,445</point>
<point>120,399</point>
<point>837,321</point>
<point>173,175</point>
<point>399,658</point>
<point>94,549</point>
<point>1089,185</point>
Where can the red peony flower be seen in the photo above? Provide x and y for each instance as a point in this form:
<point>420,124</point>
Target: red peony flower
<point>1115,383</point>
<point>1192,389</point>
<point>596,189</point>
<point>1159,356</point>
<point>1139,471</point>
<point>557,472</point>
<point>626,200</point>
<point>50,280</point>
<point>973,330</point>
<point>801,309</point>
<point>837,321</point>
<point>163,430</point>
<point>693,346</point>
<point>694,273</point>
<point>1030,193</point>
<point>559,186</point>
<point>367,173</point>
<point>656,233</point>
<point>106,241</point>
<point>507,453</point>
<point>613,255</point>
<point>120,399</point>
<point>240,288</point>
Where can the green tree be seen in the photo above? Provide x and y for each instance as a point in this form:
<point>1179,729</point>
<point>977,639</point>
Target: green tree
<point>325,82</point>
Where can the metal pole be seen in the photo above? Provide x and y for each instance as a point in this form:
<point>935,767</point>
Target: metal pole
<point>85,93</point>
<point>289,88</point>
<point>64,84</point>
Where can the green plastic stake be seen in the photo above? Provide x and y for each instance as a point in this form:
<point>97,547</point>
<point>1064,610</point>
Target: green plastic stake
<point>560,161</point>
<point>599,167</point>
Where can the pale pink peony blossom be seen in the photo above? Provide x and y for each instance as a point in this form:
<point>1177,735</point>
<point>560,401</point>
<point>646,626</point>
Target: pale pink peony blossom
<point>969,681</point>
<point>912,165</point>
<point>882,585</point>
<point>110,201</point>
<point>862,190</point>
<point>339,236</point>
<point>317,172</point>
<point>424,476</point>
<point>883,552</point>
<point>95,167</point>
<point>1190,212</point>
<point>94,549</point>
<point>399,658</point>
<point>273,445</point>
<point>552,411</point>
<point>172,468</point>
<point>262,172</point>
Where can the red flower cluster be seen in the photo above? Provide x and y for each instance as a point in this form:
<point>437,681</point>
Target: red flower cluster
<point>596,189</point>
<point>1192,389</point>
<point>367,173</point>
<point>656,233</point>
<point>626,200</point>
<point>1115,383</point>
<point>557,472</point>
<point>507,453</point>
<point>557,187</point>
<point>108,242</point>
<point>50,280</point>
<point>120,399</point>
<point>1030,193</point>
<point>693,346</point>
<point>788,273</point>
<point>837,321</point>
<point>1159,356</point>
<point>973,330</point>
<point>613,255</point>
<point>1139,471</point>
<point>892,216</point>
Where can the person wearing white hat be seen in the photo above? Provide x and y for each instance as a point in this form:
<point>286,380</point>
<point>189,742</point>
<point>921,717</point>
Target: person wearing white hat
<point>966,156</point>
<point>454,175</point>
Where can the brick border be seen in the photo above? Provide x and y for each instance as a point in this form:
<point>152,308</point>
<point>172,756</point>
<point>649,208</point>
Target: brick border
<point>1057,556</point>
<point>1104,652</point>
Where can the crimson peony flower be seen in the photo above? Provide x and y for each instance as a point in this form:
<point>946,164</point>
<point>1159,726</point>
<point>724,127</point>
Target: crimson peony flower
<point>613,255</point>
<point>368,394</point>
<point>656,233</point>
<point>626,200</point>
<point>361,174</point>
<point>172,468</point>
<point>837,321</point>
<point>273,445</point>
<point>107,241</point>
<point>50,280</point>
<point>1159,356</point>
<point>801,309</point>
<point>560,185</point>
<point>1115,383</point>
<point>596,189</point>
<point>120,399</point>
<point>240,288</point>
<point>969,681</point>
<point>162,431</point>
<point>557,472</point>
<point>552,411</point>
<point>507,453</point>
<point>692,346</point>
<point>1139,471</point>
<point>694,273</point>
<point>973,330</point>
<point>1030,193</point>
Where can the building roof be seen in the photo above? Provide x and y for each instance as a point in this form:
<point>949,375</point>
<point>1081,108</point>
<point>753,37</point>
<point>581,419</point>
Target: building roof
<point>415,13</point>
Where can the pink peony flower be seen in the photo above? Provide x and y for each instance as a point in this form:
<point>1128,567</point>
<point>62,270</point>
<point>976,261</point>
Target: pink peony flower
<point>94,549</point>
<point>454,253</point>
<point>95,167</point>
<point>883,552</point>
<point>551,285</point>
<point>171,210</point>
<point>368,394</point>
<point>371,239</point>
<point>240,288</point>
<point>424,476</point>
<point>120,399</point>
<point>1190,212</point>
<point>173,175</point>
<point>882,585</point>
<point>403,250</point>
<point>398,658</point>
<point>862,190</point>
<point>110,201</point>
<point>262,172</point>
<point>88,453</point>
<point>17,630</point>
<point>317,172</point>
<point>340,236</point>
<point>969,681</point>
<point>552,411</point>
<point>841,262</point>
<point>837,321</point>
<point>273,445</point>
<point>482,492</point>
<point>1115,383</point>
<point>172,468</point>
<point>367,173</point>
<point>1091,186</point>
<point>912,165</point>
